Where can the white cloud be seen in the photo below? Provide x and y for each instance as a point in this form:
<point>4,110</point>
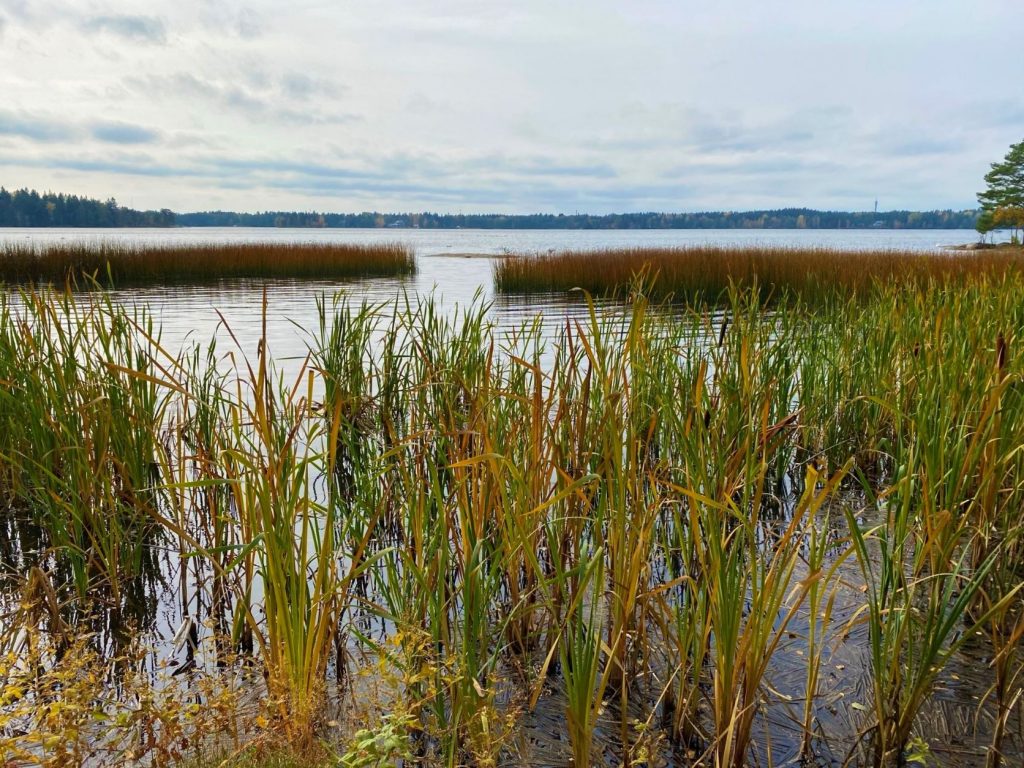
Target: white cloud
<point>145,29</point>
<point>460,105</point>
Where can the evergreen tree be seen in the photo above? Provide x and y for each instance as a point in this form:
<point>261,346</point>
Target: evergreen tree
<point>1003,198</point>
<point>28,208</point>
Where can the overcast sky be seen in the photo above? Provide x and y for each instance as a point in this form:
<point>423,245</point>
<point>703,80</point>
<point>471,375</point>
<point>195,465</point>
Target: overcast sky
<point>531,105</point>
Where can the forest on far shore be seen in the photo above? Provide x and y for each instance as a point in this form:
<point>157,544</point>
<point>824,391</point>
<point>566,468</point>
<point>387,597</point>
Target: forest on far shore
<point>28,208</point>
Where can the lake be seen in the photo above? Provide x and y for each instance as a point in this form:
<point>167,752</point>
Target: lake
<point>453,266</point>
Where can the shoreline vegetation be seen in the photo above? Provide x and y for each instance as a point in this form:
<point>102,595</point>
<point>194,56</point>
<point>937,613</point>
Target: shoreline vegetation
<point>688,272</point>
<point>783,218</point>
<point>659,533</point>
<point>707,272</point>
<point>28,208</point>
<point>1005,247</point>
<point>123,264</point>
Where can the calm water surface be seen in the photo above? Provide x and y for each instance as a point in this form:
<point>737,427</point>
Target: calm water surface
<point>453,267</point>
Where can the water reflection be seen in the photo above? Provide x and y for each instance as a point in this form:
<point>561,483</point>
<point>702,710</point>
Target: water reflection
<point>463,243</point>
<point>453,266</point>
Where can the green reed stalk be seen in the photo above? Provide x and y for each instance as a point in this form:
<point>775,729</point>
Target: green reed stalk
<point>82,428</point>
<point>822,590</point>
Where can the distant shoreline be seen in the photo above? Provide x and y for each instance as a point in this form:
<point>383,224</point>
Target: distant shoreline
<point>26,208</point>
<point>1008,247</point>
<point>494,227</point>
<point>787,218</point>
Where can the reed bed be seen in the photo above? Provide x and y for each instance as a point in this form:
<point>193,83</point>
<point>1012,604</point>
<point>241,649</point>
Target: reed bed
<point>707,271</point>
<point>124,264</point>
<point>662,531</point>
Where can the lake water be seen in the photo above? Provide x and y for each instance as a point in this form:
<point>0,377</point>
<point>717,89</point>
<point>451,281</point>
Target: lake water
<point>453,266</point>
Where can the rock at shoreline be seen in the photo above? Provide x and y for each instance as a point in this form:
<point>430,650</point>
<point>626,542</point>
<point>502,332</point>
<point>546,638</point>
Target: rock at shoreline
<point>980,247</point>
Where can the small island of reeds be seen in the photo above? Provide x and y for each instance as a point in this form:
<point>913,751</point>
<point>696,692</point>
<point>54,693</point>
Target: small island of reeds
<point>707,271</point>
<point>127,264</point>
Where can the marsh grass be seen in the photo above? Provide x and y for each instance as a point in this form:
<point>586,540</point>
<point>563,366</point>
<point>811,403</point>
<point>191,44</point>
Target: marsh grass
<point>608,518</point>
<point>822,591</point>
<point>80,431</point>
<point>126,264</point>
<point>706,271</point>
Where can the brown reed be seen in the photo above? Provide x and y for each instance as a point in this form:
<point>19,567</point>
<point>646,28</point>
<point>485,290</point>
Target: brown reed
<point>708,271</point>
<point>133,263</point>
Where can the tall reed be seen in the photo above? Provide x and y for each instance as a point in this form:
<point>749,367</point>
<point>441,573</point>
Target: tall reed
<point>81,423</point>
<point>621,519</point>
<point>124,264</point>
<point>707,271</point>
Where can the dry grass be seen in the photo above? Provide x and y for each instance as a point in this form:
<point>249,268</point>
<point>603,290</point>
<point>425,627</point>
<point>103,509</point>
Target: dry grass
<point>708,270</point>
<point>128,264</point>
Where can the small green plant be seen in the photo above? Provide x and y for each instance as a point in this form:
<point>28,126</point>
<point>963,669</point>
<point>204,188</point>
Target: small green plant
<point>381,746</point>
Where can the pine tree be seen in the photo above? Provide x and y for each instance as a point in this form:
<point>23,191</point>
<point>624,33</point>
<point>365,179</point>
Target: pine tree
<point>1004,197</point>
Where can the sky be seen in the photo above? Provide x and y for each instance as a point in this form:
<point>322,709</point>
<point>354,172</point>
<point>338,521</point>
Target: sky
<point>529,106</point>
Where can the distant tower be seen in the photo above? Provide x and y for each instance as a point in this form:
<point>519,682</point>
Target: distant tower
<point>876,206</point>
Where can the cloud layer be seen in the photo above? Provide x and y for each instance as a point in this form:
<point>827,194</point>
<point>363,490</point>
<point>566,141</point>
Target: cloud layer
<point>486,106</point>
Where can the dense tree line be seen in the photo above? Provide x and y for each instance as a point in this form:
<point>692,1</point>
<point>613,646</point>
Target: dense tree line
<point>28,208</point>
<point>786,218</point>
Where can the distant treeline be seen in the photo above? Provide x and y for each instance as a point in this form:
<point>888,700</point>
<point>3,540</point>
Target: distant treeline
<point>28,208</point>
<point>786,218</point>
